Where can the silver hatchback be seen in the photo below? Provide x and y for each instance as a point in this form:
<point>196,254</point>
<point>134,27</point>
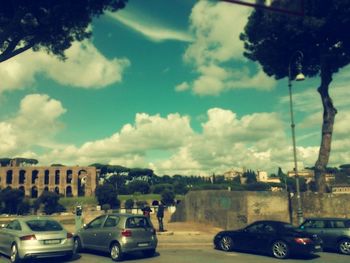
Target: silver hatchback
<point>35,237</point>
<point>118,234</point>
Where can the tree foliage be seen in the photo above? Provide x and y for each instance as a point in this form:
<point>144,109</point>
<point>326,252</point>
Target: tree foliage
<point>51,25</point>
<point>11,200</point>
<point>322,35</point>
<point>107,194</point>
<point>50,201</point>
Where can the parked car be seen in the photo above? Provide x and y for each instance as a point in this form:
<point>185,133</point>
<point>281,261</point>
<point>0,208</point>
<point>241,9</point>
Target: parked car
<point>118,234</point>
<point>35,237</point>
<point>278,239</point>
<point>334,232</point>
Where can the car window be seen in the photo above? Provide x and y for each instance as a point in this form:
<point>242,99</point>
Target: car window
<point>44,225</point>
<point>269,229</point>
<point>339,224</point>
<point>111,221</point>
<point>14,225</point>
<point>314,224</point>
<point>137,222</point>
<point>259,227</point>
<point>96,223</point>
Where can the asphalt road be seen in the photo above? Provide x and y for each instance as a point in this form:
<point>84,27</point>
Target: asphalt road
<point>197,255</point>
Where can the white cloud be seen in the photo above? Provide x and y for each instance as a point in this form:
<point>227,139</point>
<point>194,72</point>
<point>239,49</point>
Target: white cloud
<point>167,144</point>
<point>150,29</point>
<point>217,27</point>
<point>35,124</point>
<point>182,87</point>
<point>85,67</point>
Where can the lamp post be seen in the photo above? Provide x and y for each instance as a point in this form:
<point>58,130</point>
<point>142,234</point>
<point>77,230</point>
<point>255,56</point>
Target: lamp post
<point>297,57</point>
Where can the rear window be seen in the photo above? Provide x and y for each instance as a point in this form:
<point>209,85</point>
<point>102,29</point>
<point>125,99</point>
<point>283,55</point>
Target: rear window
<point>340,224</point>
<point>137,222</point>
<point>44,225</point>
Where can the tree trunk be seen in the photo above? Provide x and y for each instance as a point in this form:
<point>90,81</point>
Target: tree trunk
<point>329,113</point>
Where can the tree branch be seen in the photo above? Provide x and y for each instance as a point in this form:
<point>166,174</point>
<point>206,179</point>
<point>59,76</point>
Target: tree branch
<point>7,55</point>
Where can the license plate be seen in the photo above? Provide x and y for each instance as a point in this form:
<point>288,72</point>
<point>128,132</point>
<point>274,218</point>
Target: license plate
<point>52,241</point>
<point>317,247</point>
<point>142,244</point>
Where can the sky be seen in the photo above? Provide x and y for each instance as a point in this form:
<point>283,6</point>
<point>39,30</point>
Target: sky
<point>164,85</point>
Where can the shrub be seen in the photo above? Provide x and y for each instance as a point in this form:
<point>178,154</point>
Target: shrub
<point>168,197</point>
<point>129,204</point>
<point>106,207</point>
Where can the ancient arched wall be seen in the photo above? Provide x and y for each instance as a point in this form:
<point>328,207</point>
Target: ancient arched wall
<point>34,176</point>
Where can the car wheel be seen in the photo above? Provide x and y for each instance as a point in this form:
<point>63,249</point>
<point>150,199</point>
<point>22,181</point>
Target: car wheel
<point>279,249</point>
<point>149,252</point>
<point>14,257</point>
<point>344,246</point>
<point>115,252</point>
<point>226,243</point>
<point>77,246</point>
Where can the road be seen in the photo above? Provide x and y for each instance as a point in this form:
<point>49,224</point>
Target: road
<point>198,255</point>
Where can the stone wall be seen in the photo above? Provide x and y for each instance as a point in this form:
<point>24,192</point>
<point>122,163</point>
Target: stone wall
<point>66,180</point>
<point>233,210</point>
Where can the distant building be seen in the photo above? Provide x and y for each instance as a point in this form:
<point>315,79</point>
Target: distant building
<point>232,174</point>
<point>65,180</point>
<point>340,189</point>
<point>262,176</point>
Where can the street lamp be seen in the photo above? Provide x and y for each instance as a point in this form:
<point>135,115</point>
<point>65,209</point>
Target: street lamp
<point>297,57</point>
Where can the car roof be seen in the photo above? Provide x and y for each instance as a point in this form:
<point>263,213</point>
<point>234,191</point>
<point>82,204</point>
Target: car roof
<point>270,221</point>
<point>125,214</point>
<point>327,218</point>
<point>28,218</point>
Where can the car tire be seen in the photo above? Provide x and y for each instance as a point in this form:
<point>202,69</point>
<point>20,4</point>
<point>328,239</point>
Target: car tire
<point>344,246</point>
<point>77,246</point>
<point>149,252</point>
<point>115,252</point>
<point>226,243</point>
<point>14,257</point>
<point>280,249</point>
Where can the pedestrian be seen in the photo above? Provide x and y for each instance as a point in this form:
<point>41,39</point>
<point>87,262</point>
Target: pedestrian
<point>146,210</point>
<point>160,215</point>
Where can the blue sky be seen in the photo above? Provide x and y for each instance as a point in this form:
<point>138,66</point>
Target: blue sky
<point>163,85</point>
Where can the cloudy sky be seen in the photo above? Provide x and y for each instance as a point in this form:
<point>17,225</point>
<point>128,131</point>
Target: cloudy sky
<point>164,85</point>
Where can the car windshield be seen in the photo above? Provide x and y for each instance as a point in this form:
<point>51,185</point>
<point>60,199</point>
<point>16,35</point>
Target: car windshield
<point>44,225</point>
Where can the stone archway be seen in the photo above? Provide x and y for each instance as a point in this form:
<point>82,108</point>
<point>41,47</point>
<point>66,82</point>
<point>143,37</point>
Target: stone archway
<point>57,177</point>
<point>9,177</point>
<point>34,192</point>
<point>46,177</point>
<point>21,188</point>
<point>35,176</point>
<point>69,176</point>
<point>69,191</point>
<point>57,190</point>
<point>46,189</point>
<point>22,177</point>
<point>82,177</point>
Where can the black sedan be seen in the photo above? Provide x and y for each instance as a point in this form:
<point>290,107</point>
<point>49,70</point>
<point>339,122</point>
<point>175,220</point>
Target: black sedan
<point>276,238</point>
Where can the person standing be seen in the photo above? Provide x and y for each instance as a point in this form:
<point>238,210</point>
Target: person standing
<point>146,210</point>
<point>160,216</point>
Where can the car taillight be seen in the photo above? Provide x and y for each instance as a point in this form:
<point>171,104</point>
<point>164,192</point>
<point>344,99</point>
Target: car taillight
<point>69,235</point>
<point>126,233</point>
<point>303,241</point>
<point>29,237</point>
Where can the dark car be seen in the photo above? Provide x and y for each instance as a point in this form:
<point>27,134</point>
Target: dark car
<point>275,238</point>
<point>118,234</point>
<point>334,232</point>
